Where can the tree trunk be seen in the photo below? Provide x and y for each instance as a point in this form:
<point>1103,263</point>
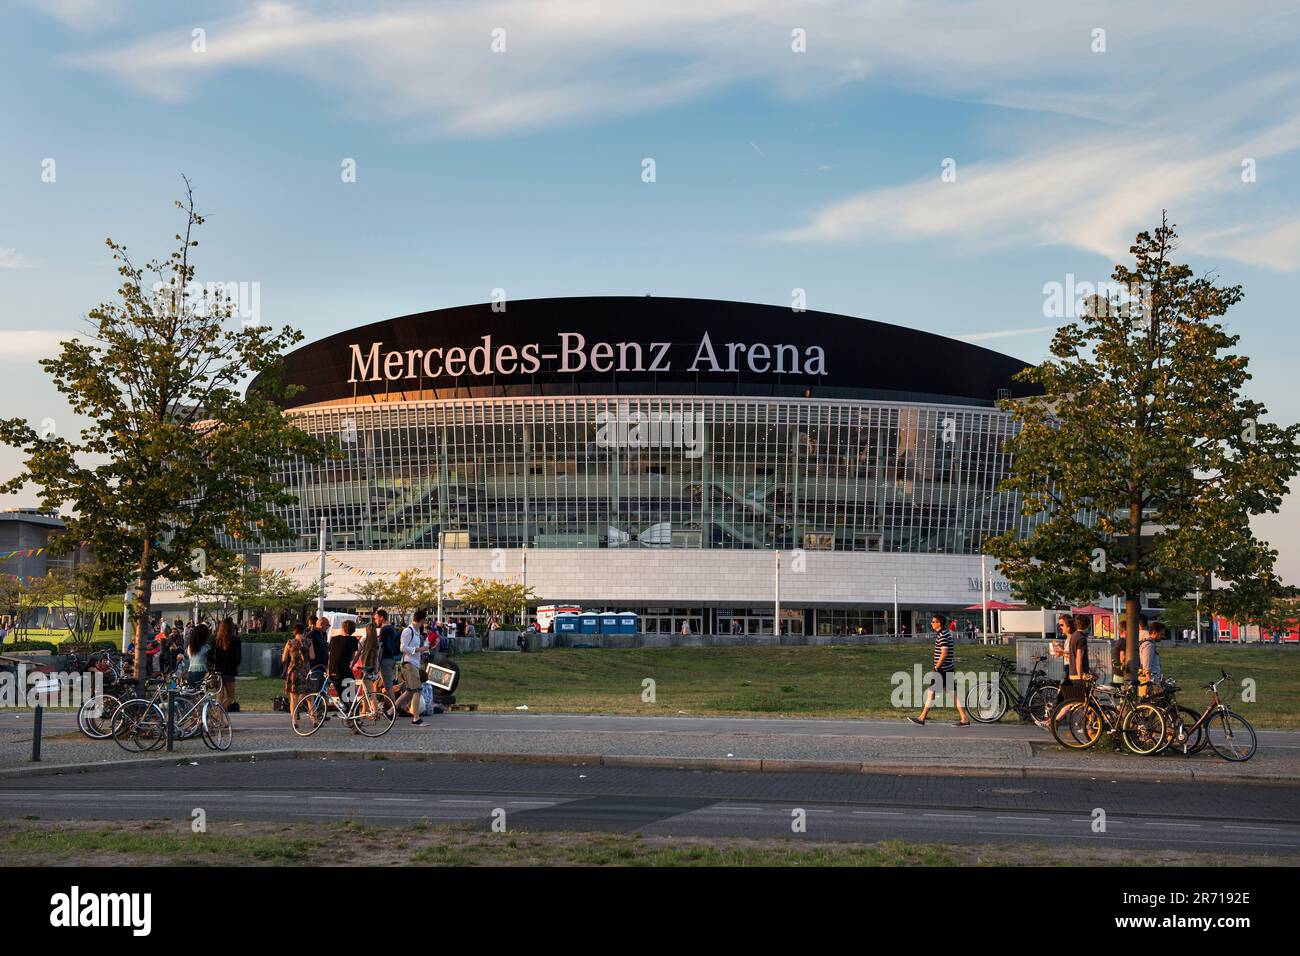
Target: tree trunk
<point>143,601</point>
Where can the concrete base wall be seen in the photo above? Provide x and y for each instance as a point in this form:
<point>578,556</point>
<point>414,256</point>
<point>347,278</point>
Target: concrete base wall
<point>681,577</point>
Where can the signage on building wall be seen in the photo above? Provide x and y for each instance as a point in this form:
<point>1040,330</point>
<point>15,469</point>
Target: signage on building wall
<point>371,362</point>
<point>993,585</point>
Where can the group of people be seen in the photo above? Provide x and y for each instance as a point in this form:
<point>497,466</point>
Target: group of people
<point>191,651</point>
<point>1074,631</point>
<point>375,657</point>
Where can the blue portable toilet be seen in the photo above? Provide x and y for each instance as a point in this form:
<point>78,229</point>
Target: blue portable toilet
<point>609,622</point>
<point>628,623</point>
<point>589,622</point>
<point>568,624</point>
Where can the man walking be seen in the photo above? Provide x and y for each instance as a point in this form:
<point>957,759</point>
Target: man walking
<point>944,678</point>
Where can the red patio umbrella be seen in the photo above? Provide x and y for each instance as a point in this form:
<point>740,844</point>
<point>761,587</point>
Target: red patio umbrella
<point>1091,610</point>
<point>996,606</point>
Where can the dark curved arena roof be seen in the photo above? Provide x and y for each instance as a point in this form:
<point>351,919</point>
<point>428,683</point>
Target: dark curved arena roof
<point>644,345</point>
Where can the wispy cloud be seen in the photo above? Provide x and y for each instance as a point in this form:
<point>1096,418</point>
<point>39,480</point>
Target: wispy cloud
<point>1004,333</point>
<point>26,345</point>
<point>10,259</point>
<point>1164,115</point>
<point>81,14</point>
<point>1092,194</point>
<point>585,59</point>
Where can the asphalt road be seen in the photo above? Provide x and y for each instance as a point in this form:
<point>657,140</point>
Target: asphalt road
<point>1231,819</point>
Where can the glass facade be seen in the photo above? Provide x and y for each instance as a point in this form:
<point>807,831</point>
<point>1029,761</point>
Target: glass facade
<point>654,472</point>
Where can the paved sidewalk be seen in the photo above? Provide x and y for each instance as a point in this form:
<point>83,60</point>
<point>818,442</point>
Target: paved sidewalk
<point>706,742</point>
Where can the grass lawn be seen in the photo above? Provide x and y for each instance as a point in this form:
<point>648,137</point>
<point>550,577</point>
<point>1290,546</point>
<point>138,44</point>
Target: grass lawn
<point>837,681</point>
<point>31,842</point>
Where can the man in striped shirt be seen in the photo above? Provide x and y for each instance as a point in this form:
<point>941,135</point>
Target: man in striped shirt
<point>944,678</point>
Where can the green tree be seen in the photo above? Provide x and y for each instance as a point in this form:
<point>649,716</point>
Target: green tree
<point>411,590</point>
<point>24,600</point>
<point>372,593</point>
<point>1143,462</point>
<point>1179,615</point>
<point>279,594</point>
<point>494,600</point>
<point>77,597</point>
<point>175,457</point>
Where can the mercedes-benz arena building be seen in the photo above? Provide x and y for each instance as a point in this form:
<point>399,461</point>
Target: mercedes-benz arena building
<point>661,456</point>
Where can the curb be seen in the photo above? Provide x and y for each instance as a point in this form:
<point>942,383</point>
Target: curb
<point>726,764</point>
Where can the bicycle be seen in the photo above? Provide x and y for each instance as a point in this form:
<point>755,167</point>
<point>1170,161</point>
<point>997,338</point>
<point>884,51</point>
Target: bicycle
<point>95,716</point>
<point>370,713</point>
<point>1079,724</point>
<point>988,703</point>
<point>1228,733</point>
<point>141,723</point>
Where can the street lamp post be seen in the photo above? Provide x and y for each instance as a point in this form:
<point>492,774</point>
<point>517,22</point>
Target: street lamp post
<point>320,598</point>
<point>776,607</point>
<point>897,630</point>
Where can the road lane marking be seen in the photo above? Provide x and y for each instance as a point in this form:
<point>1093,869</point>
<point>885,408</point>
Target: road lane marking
<point>1231,826</point>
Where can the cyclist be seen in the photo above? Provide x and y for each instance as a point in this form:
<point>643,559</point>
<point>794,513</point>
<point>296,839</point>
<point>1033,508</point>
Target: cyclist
<point>342,648</point>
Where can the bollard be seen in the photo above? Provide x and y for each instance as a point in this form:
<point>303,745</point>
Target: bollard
<point>36,733</point>
<point>171,718</point>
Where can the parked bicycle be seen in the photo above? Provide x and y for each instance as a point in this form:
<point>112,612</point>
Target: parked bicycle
<point>95,716</point>
<point>987,703</point>
<point>140,723</point>
<point>1228,733</point>
<point>370,712</point>
<point>1106,709</point>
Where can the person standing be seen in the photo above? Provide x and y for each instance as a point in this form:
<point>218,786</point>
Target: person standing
<point>368,657</point>
<point>1119,652</point>
<point>197,650</point>
<point>318,634</point>
<point>412,643</point>
<point>297,658</point>
<point>227,653</point>
<point>1076,648</point>
<point>1148,652</point>
<point>389,649</point>
<point>944,678</point>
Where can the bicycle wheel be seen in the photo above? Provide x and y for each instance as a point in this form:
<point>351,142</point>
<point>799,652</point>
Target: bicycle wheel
<point>1182,739</point>
<point>985,702</point>
<point>309,715</point>
<point>95,718</point>
<point>1231,736</point>
<point>139,725</point>
<point>375,715</point>
<point>1076,725</point>
<point>1144,729</point>
<point>1041,703</point>
<point>217,732</point>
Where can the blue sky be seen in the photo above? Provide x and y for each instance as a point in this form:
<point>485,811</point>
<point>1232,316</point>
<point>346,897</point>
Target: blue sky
<point>774,169</point>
